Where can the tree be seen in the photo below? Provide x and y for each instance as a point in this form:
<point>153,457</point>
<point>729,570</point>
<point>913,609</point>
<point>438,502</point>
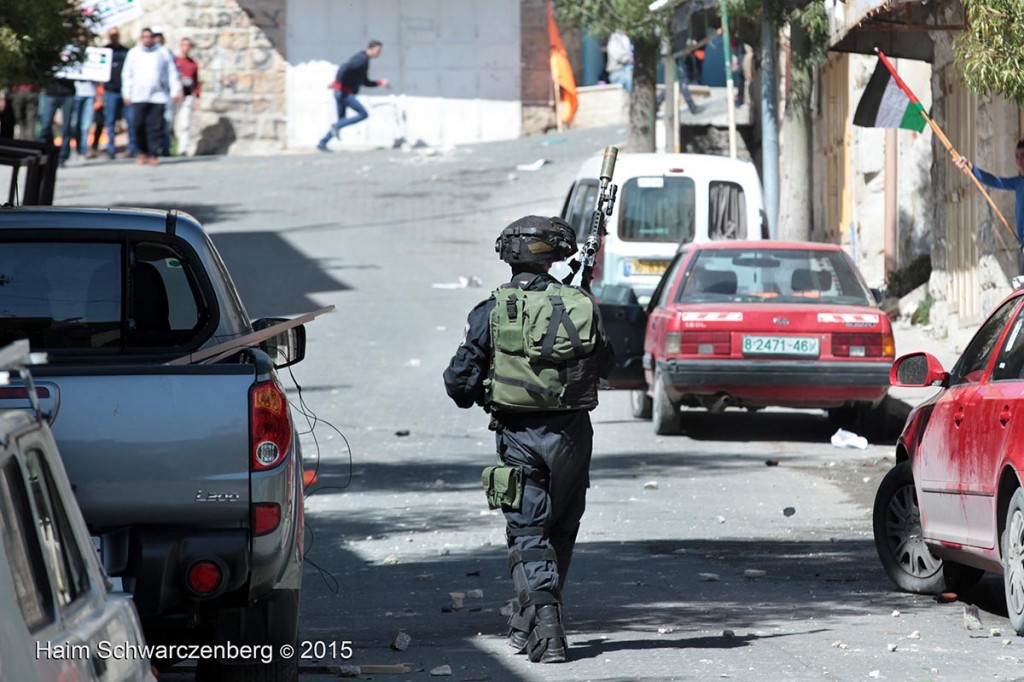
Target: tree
<point>808,35</point>
<point>32,36</point>
<point>990,51</point>
<point>645,29</point>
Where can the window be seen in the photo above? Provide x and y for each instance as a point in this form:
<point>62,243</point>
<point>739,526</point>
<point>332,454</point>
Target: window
<point>727,217</point>
<point>60,295</point>
<point>668,280</point>
<point>25,555</point>
<point>584,201</point>
<point>971,365</point>
<point>1010,363</point>
<point>79,296</point>
<point>657,209</point>
<point>775,275</point>
<point>68,568</point>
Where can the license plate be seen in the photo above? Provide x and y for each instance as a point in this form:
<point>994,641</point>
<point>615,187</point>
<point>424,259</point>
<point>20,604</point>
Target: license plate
<point>805,346</point>
<point>647,267</point>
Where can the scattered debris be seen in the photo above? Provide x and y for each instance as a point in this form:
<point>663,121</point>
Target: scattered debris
<point>471,282</point>
<point>728,634</point>
<point>475,594</point>
<point>995,632</point>
<point>1007,642</point>
<point>401,641</point>
<point>839,645</point>
<point>867,479</point>
<point>789,511</point>
<point>972,617</point>
<point>441,328</point>
<point>391,560</point>
<point>708,577</point>
<point>425,577</point>
<point>458,599</point>
<point>348,671</point>
<point>875,674</point>
<point>651,485</point>
<point>473,574</point>
<point>754,573</point>
<point>896,613</point>
<point>401,433</point>
<point>720,519</point>
<point>665,631</point>
<point>441,671</point>
<point>916,634</point>
<point>892,647</point>
<point>771,462</point>
<point>413,362</point>
<point>848,439</point>
<point>536,165</point>
<point>490,512</point>
<point>439,483</point>
<point>946,597</point>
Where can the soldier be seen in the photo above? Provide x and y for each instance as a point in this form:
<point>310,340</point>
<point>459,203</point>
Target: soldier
<point>532,357</point>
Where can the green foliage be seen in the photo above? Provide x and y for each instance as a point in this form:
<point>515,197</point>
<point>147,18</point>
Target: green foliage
<point>990,52</point>
<point>603,17</point>
<point>923,314</point>
<point>32,35</point>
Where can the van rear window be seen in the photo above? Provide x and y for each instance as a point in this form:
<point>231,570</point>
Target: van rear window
<point>81,295</point>
<point>657,209</point>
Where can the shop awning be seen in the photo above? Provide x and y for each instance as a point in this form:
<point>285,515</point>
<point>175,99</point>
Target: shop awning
<point>897,27</point>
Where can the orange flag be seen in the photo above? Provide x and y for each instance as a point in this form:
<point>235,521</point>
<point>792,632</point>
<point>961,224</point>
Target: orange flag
<point>561,70</point>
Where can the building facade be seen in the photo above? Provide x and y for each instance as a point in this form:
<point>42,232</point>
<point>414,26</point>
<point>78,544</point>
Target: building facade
<point>460,70</point>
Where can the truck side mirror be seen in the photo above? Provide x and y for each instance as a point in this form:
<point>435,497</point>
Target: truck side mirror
<point>285,349</point>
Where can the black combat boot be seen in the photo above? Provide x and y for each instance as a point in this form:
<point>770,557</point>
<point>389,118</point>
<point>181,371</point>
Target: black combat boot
<point>517,639</point>
<point>547,640</point>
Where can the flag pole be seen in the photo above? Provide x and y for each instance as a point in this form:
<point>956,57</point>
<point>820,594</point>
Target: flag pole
<point>946,143</point>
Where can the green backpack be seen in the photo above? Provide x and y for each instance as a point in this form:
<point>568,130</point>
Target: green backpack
<point>536,336</point>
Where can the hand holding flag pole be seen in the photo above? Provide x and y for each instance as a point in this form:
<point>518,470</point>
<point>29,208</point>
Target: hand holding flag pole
<point>888,103</point>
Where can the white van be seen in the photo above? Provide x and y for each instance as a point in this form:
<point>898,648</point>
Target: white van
<point>665,200</point>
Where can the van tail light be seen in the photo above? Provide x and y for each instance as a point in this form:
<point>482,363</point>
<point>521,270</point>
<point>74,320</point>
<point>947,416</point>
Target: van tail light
<point>698,343</point>
<point>266,517</point>
<point>863,346</point>
<point>204,577</point>
<point>271,435</point>
<point>14,393</point>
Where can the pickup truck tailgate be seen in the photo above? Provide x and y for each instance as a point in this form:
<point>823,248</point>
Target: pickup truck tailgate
<point>152,444</point>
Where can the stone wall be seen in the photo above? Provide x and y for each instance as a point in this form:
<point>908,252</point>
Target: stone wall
<point>537,88</point>
<point>240,48</point>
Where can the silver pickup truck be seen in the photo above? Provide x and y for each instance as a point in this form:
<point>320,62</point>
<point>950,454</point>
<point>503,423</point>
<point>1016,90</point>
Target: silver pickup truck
<point>189,475</point>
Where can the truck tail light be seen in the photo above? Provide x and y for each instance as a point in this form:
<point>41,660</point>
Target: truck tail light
<point>204,577</point>
<point>863,346</point>
<point>698,343</point>
<point>266,517</point>
<point>271,435</point>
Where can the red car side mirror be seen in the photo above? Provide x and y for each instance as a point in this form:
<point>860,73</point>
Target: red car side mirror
<point>917,370</point>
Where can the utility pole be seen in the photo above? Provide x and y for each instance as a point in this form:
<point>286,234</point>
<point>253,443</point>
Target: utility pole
<point>770,121</point>
<point>729,87</point>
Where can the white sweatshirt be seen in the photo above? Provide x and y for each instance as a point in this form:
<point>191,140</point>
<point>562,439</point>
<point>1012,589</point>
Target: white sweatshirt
<point>150,75</point>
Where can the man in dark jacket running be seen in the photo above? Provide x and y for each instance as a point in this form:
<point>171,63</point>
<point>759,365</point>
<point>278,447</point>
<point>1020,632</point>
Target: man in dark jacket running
<point>539,410</point>
<point>351,76</point>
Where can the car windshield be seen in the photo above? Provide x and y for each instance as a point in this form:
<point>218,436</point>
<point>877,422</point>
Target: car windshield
<point>657,209</point>
<point>770,275</point>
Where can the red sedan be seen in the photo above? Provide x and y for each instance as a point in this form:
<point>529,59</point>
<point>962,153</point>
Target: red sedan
<point>756,324</point>
<point>952,507</point>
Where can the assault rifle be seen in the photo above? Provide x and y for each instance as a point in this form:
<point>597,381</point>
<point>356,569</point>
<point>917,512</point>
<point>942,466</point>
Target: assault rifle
<point>587,257</point>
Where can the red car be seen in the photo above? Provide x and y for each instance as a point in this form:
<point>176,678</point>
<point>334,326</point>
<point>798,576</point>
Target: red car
<point>952,507</point>
<point>755,324</point>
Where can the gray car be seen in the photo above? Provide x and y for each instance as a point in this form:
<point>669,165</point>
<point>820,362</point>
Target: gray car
<point>59,620</point>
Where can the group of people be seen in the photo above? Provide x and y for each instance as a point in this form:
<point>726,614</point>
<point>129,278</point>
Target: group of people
<point>153,90</point>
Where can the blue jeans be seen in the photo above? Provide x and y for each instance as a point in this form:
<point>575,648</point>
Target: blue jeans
<point>344,101</point>
<point>48,105</point>
<point>81,121</point>
<point>623,77</point>
<point>113,109</point>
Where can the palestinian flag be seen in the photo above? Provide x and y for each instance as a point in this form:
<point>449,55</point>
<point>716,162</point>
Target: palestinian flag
<point>888,102</point>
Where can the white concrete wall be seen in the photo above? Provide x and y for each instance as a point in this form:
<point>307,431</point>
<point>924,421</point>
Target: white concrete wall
<point>454,67</point>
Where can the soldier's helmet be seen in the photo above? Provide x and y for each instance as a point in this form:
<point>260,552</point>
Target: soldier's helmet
<point>536,239</point>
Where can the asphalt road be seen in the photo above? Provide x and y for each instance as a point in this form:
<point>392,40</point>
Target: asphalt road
<point>401,523</point>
